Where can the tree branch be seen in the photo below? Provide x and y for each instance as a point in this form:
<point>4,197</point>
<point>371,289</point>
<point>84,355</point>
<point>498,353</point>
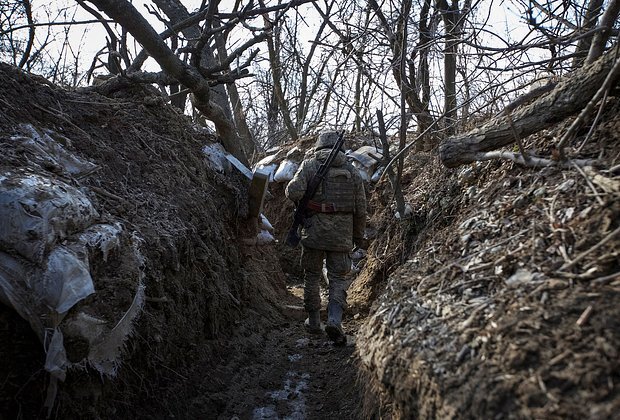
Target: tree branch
<point>127,16</point>
<point>568,98</point>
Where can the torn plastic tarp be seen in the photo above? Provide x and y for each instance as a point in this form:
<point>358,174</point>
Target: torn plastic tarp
<point>65,281</point>
<point>49,153</point>
<point>47,238</point>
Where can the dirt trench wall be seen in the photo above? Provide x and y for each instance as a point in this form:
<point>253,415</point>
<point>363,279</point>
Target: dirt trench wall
<point>505,306</point>
<point>152,178</point>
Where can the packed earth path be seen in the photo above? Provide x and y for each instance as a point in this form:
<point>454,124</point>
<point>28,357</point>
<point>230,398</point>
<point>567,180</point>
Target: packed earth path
<point>296,375</point>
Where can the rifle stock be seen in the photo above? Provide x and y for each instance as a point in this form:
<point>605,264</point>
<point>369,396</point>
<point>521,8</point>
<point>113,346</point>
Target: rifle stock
<point>293,238</point>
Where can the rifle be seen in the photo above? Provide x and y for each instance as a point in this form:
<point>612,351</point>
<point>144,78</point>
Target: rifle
<point>301,212</point>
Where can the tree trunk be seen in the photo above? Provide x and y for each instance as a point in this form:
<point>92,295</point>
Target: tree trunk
<point>568,98</point>
<point>450,14</point>
<point>589,22</point>
<point>600,38</point>
<point>127,16</point>
<point>239,116</point>
<point>424,119</point>
<point>276,72</point>
<point>176,12</point>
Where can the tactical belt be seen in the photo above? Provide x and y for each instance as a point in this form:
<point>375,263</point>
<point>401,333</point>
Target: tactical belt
<point>321,207</point>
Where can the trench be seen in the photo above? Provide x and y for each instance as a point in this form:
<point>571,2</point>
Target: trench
<point>460,312</point>
<point>273,370</point>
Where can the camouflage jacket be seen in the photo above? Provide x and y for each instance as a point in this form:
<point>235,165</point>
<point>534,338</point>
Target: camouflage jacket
<point>342,187</point>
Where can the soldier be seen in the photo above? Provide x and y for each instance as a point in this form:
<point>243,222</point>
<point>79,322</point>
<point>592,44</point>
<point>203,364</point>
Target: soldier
<point>336,221</point>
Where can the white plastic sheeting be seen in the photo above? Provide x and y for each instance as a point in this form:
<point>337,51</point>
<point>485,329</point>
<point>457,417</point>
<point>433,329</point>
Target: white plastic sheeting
<point>50,153</point>
<point>264,237</point>
<point>36,212</point>
<point>266,161</point>
<point>216,156</point>
<point>365,160</point>
<point>46,231</point>
<point>408,212</point>
<point>265,224</point>
<point>65,281</point>
<point>286,171</point>
<point>48,239</point>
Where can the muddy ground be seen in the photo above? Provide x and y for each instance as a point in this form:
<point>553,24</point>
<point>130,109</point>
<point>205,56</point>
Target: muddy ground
<point>465,310</point>
<point>214,339</point>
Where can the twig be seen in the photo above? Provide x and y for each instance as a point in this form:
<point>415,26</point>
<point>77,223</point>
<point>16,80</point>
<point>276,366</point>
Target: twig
<point>530,161</point>
<point>557,359</point>
<point>598,116</point>
<point>526,157</point>
<point>584,316</point>
<point>594,248</point>
<point>111,103</point>
<point>407,147</point>
<point>106,193</point>
<point>611,78</point>
<point>604,280</point>
<point>596,194</point>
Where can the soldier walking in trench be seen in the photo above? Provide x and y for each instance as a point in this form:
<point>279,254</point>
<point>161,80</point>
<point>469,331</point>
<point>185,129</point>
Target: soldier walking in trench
<point>336,219</point>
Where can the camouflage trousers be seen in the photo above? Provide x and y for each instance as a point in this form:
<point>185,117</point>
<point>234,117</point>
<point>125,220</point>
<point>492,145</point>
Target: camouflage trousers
<point>338,266</point>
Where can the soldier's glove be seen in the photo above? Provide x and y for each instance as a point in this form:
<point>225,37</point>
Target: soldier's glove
<point>362,243</point>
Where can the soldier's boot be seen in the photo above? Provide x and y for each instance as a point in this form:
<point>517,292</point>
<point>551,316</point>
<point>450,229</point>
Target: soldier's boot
<point>313,322</point>
<point>334,328</point>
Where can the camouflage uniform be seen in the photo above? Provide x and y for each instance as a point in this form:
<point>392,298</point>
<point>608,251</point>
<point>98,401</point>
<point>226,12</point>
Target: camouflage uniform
<point>330,232</point>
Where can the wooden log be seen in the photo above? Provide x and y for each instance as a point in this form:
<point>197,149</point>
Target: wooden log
<point>569,97</point>
<point>258,189</point>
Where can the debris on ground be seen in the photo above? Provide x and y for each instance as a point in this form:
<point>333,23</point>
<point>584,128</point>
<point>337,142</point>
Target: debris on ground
<point>501,294</point>
<point>492,296</point>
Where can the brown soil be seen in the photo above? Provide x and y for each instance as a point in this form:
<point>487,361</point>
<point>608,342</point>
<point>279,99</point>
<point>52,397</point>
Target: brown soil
<point>435,330</point>
<point>212,340</point>
<point>503,305</point>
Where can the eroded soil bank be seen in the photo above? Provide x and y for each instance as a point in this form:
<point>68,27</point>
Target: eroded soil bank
<point>493,300</point>
<point>210,302</point>
<point>502,294</point>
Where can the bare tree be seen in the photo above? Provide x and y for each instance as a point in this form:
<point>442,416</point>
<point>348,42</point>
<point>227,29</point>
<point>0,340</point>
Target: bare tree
<point>203,76</point>
<point>127,16</point>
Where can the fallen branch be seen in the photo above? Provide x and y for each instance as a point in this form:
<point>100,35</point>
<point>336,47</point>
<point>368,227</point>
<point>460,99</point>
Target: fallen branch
<point>531,160</point>
<point>600,93</point>
<point>594,248</point>
<point>570,96</point>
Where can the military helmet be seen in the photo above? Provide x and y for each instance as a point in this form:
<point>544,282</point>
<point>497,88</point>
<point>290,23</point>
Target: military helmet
<point>326,140</point>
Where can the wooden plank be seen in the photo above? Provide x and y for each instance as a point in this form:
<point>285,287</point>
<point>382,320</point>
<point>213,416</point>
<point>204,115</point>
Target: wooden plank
<point>258,189</point>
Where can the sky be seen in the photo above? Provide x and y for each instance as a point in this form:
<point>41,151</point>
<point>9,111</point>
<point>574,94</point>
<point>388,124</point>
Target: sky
<point>90,39</point>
